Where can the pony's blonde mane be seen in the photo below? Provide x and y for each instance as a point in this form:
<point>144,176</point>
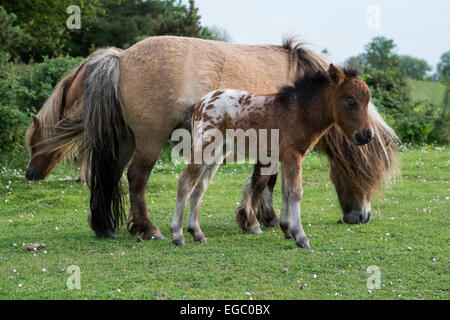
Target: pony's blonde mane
<point>301,58</point>
<point>52,111</point>
<point>61,125</point>
<point>371,165</point>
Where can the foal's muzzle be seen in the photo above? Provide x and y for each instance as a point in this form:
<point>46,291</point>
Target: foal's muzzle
<point>362,137</point>
<point>30,174</point>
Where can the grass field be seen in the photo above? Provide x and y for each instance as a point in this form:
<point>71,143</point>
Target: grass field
<point>408,239</point>
<point>427,91</point>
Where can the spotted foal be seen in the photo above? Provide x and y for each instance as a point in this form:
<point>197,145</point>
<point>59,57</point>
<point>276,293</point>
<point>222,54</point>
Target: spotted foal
<point>301,113</point>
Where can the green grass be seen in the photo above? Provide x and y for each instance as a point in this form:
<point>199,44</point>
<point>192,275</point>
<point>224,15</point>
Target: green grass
<point>408,239</point>
<point>427,91</point>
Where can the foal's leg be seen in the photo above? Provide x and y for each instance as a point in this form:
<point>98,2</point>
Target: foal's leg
<point>186,184</point>
<point>284,217</point>
<point>246,212</point>
<point>266,213</point>
<point>196,197</point>
<point>292,178</point>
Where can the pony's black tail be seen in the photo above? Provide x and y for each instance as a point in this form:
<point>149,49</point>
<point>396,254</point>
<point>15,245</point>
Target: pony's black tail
<point>103,122</point>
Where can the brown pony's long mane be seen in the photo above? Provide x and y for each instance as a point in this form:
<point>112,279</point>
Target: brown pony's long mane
<point>301,59</point>
<point>52,116</point>
<point>62,125</point>
<point>371,165</point>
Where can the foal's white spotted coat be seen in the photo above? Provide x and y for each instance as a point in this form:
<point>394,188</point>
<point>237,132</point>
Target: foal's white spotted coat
<point>218,110</point>
<point>220,105</point>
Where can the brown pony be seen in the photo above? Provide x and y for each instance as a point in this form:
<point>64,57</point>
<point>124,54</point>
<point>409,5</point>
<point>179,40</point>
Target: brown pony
<point>119,105</point>
<point>301,114</point>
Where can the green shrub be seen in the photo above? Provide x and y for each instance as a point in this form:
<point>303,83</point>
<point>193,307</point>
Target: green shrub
<point>441,131</point>
<point>35,86</point>
<point>415,122</point>
<point>13,122</point>
<point>13,125</point>
<point>23,90</point>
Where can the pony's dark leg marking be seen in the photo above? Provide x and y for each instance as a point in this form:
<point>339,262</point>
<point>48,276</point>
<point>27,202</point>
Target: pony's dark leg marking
<point>246,212</point>
<point>266,214</point>
<point>139,223</point>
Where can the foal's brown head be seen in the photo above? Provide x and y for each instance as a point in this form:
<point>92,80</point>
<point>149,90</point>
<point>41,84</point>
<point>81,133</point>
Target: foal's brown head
<point>350,104</point>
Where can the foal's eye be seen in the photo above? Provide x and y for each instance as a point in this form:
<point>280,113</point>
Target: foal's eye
<point>351,103</point>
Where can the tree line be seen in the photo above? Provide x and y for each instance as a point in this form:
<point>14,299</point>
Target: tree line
<point>34,29</point>
<point>37,49</point>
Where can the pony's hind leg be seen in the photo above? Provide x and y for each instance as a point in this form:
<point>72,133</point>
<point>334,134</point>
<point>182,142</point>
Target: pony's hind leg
<point>266,213</point>
<point>186,184</point>
<point>246,211</point>
<point>139,223</point>
<point>196,197</point>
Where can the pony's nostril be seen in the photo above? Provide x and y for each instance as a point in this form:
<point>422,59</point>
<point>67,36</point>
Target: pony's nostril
<point>362,137</point>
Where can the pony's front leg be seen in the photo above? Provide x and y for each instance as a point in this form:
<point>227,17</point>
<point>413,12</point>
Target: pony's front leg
<point>186,185</point>
<point>284,216</point>
<point>293,192</point>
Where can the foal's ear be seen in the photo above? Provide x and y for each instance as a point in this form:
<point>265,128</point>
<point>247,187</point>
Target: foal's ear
<point>336,74</point>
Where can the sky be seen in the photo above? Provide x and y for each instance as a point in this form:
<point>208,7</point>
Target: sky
<point>419,28</point>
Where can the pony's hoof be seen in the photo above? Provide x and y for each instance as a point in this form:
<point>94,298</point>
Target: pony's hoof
<point>157,237</point>
<point>303,244</point>
<point>179,243</point>
<point>105,234</point>
<point>268,218</point>
<point>153,234</point>
<point>202,241</point>
<point>256,230</point>
<point>144,232</point>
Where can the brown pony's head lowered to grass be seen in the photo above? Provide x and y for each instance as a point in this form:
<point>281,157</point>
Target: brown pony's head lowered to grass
<point>54,130</point>
<point>298,114</point>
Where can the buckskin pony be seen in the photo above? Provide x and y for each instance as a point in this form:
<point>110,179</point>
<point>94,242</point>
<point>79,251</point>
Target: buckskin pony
<point>120,105</point>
